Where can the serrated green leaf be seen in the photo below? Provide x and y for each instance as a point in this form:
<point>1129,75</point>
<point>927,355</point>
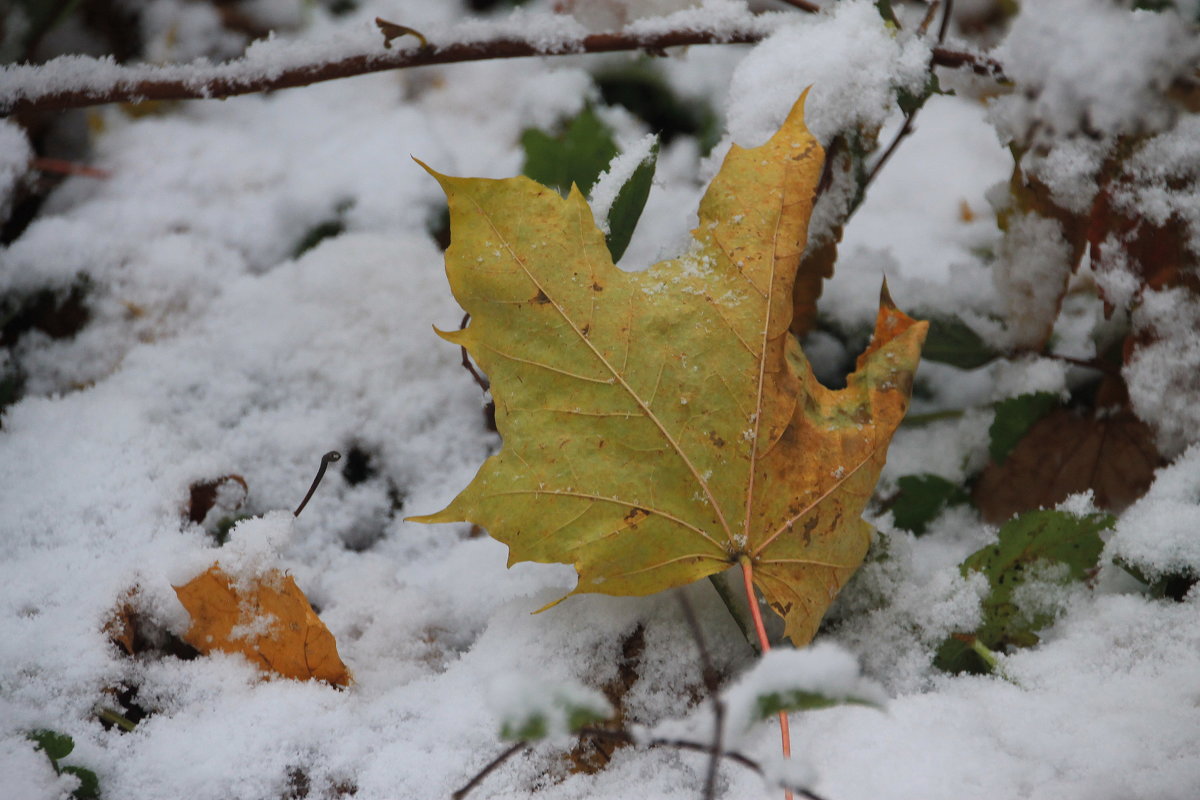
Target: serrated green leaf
<point>56,745</point>
<point>768,705</point>
<point>626,210</point>
<point>577,157</point>
<point>1014,417</point>
<point>1034,539</point>
<point>89,784</point>
<point>922,498</point>
<point>952,342</point>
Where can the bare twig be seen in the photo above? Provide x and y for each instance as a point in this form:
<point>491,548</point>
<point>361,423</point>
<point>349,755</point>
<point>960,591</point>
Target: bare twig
<point>903,133</point>
<point>326,460</point>
<point>944,28</point>
<point>487,770</point>
<point>483,382</point>
<point>803,5</point>
<point>714,693</point>
<point>907,127</point>
<point>684,744</point>
<point>927,20</point>
<point>136,84</point>
<point>625,737</point>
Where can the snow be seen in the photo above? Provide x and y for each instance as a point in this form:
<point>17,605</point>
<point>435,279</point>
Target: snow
<point>213,348</point>
<point>1157,535</point>
<point>823,669</point>
<point>1094,71</point>
<point>15,155</point>
<point>1166,370</point>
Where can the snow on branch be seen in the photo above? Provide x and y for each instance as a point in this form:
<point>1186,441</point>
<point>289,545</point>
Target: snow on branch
<point>79,81</point>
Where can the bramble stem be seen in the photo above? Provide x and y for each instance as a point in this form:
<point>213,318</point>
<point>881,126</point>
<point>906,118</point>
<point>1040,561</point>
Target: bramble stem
<point>785,732</point>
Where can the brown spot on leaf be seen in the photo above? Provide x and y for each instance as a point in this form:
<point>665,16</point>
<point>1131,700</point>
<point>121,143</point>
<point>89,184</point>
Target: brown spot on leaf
<point>635,516</point>
<point>540,298</point>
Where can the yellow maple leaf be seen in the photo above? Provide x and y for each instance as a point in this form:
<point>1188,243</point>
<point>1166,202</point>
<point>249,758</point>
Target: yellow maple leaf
<point>267,619</point>
<point>661,426</point>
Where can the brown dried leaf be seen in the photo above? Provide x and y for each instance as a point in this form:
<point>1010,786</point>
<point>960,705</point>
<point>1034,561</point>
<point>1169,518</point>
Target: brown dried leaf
<point>204,495</point>
<point>1065,453</point>
<point>121,627</point>
<point>268,619</point>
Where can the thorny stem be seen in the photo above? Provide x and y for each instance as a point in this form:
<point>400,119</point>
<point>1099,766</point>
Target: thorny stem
<point>221,80</point>
<point>326,460</point>
<point>785,733</point>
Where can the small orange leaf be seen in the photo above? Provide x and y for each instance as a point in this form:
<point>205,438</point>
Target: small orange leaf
<point>267,619</point>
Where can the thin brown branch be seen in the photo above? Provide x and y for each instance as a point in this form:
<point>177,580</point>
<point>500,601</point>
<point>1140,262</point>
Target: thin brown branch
<point>625,737</point>
<point>904,131</point>
<point>487,770</point>
<point>712,684</point>
<point>803,5</point>
<point>907,128</point>
<point>484,383</point>
<point>138,84</point>
<point>944,28</point>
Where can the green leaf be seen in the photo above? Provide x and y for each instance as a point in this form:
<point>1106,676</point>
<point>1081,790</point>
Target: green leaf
<point>564,713</point>
<point>56,745</point>
<point>627,208</point>
<point>959,654</point>
<point>1014,417</point>
<point>768,705</point>
<point>89,784</point>
<point>1026,543</point>
<point>577,157</point>
<point>952,342</point>
<point>922,498</point>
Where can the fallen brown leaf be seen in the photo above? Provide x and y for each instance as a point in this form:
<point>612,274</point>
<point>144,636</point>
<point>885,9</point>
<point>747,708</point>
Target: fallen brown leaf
<point>267,619</point>
<point>1065,453</point>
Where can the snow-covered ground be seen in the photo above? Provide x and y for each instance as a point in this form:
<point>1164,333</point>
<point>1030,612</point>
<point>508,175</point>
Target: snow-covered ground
<point>210,350</point>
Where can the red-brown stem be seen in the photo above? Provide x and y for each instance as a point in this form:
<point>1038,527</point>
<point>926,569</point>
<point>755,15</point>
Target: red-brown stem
<point>60,166</point>
<point>785,732</point>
